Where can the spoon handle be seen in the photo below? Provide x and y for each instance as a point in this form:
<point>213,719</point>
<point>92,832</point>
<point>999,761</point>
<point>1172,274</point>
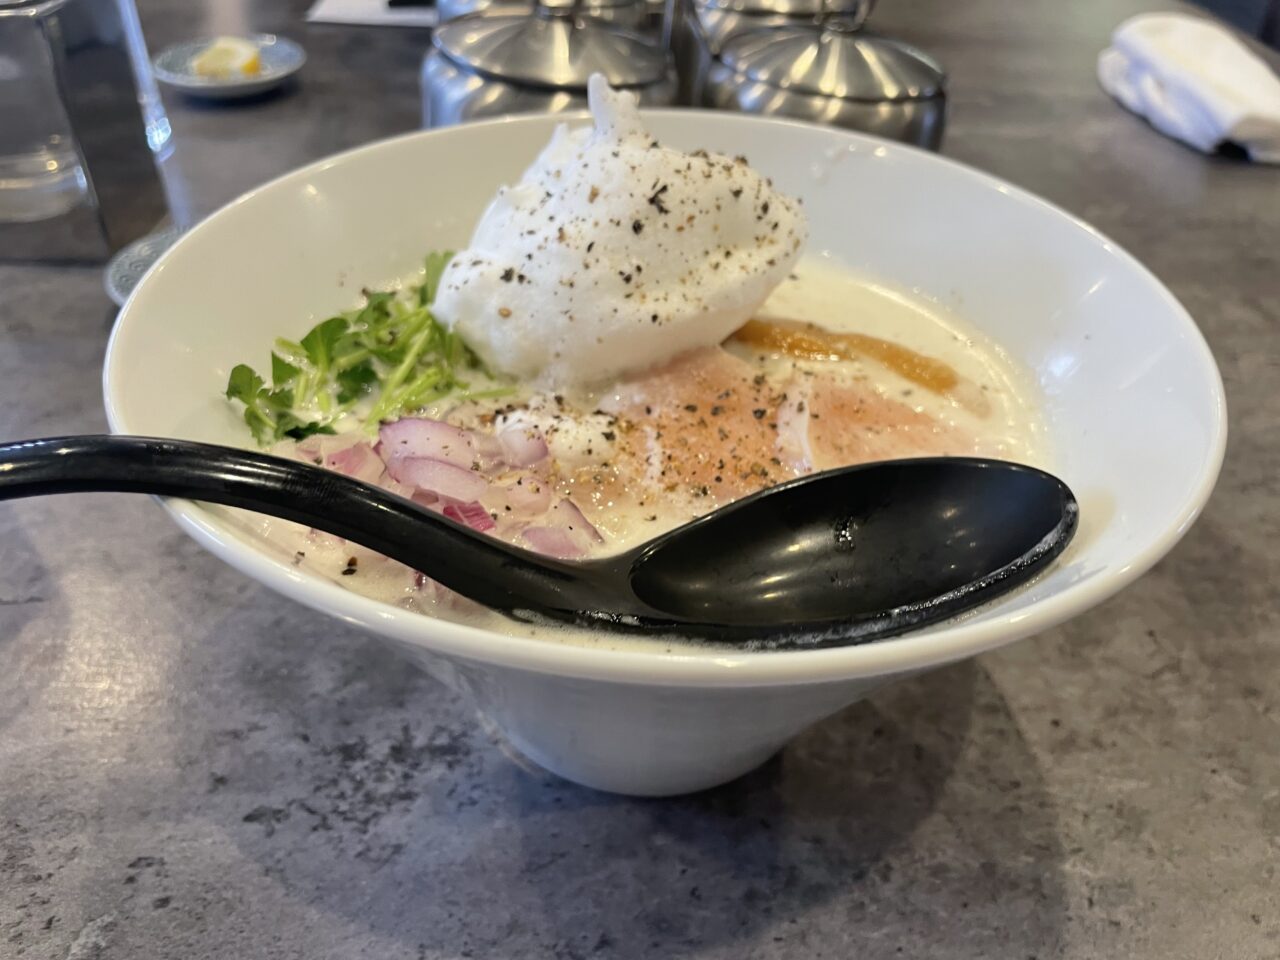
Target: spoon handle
<point>479,567</point>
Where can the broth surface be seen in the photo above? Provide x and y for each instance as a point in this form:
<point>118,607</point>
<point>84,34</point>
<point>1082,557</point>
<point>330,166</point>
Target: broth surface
<point>892,373</point>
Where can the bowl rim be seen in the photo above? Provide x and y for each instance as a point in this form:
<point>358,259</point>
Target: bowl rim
<point>689,664</point>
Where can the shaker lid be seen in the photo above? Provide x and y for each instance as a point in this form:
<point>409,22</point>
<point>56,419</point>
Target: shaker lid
<point>834,59</point>
<point>554,47</point>
<point>790,8</point>
<point>460,8</point>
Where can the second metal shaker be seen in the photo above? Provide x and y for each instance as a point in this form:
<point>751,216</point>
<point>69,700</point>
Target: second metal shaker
<point>489,66</point>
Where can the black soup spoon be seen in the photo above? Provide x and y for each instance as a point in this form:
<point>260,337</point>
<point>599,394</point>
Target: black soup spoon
<point>832,558</point>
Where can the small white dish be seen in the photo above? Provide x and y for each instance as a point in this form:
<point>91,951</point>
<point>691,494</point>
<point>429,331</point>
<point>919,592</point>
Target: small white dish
<point>281,59</point>
<point>1132,398</point>
<point>128,266</point>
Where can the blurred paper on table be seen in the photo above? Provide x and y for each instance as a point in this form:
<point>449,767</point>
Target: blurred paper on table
<point>376,13</point>
<point>1195,82</point>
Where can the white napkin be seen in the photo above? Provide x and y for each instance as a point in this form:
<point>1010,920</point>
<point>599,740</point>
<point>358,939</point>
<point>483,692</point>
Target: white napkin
<point>374,13</point>
<point>1194,81</point>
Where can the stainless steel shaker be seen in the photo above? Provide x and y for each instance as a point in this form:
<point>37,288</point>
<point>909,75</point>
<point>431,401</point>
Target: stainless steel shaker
<point>81,124</point>
<point>627,14</point>
<point>699,28</point>
<point>492,65</point>
<point>832,72</point>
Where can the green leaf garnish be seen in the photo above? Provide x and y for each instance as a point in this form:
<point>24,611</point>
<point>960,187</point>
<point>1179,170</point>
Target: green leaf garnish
<point>268,413</point>
<point>390,353</point>
<point>355,382</point>
<point>319,343</point>
<point>434,268</point>
<point>243,384</point>
<point>303,430</point>
<point>282,371</point>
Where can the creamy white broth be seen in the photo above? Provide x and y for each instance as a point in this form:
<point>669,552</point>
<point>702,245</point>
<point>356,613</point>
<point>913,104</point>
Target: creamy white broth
<point>819,292</point>
<point>823,292</point>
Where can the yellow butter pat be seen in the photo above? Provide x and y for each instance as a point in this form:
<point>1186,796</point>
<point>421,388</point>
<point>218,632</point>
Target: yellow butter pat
<point>227,57</point>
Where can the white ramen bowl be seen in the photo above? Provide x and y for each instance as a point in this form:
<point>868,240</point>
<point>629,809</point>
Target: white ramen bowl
<point>1131,394</point>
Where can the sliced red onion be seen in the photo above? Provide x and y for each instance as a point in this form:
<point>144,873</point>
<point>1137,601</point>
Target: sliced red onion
<point>552,542</point>
<point>438,477</point>
<point>522,445</point>
<point>489,455</point>
<point>308,449</point>
<point>358,461</point>
<point>347,461</point>
<point>424,499</point>
<point>333,442</point>
<point>398,470</point>
<point>487,446</point>
<point>568,513</point>
<point>426,439</point>
<point>399,489</point>
<point>319,446</point>
<point>473,514</point>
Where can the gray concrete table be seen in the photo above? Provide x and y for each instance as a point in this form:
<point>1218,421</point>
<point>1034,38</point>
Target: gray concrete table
<point>193,767</point>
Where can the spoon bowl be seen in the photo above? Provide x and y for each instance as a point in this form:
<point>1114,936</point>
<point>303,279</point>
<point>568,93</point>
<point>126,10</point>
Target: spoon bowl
<point>861,552</point>
<point>839,557</point>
